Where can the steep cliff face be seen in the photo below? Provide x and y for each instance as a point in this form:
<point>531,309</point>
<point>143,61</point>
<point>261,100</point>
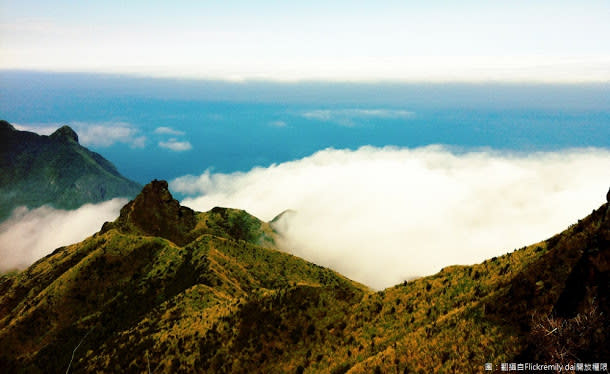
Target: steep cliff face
<point>154,212</point>
<point>56,170</point>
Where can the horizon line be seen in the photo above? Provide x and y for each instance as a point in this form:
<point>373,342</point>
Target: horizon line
<point>253,79</point>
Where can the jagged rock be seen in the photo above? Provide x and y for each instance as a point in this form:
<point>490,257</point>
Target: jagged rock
<point>155,212</point>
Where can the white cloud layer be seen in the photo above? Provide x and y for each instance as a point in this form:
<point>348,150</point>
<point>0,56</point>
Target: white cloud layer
<point>176,145</point>
<point>29,235</point>
<point>380,216</point>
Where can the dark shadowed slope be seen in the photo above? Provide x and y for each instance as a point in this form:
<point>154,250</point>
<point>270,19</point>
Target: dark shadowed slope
<point>167,289</point>
<point>56,170</point>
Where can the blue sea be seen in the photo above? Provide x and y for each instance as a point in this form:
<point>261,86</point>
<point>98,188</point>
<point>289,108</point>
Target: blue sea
<point>235,126</point>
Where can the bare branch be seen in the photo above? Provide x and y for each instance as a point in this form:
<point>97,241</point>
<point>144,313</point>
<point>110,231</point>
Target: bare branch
<point>74,351</point>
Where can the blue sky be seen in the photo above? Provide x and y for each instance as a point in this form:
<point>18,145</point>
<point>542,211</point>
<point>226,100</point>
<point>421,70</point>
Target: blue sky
<point>542,41</point>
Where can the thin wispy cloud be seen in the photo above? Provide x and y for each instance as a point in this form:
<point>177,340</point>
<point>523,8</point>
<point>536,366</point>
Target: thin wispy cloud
<point>139,142</point>
<point>168,131</point>
<point>382,215</point>
<point>176,145</point>
<point>173,143</point>
<point>29,235</point>
<point>278,123</point>
<point>348,117</point>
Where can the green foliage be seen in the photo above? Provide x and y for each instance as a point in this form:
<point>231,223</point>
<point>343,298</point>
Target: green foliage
<point>218,298</point>
<point>56,170</point>
<point>237,225</point>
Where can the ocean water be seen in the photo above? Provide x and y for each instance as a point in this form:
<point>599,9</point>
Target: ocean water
<point>374,215</point>
<point>237,126</point>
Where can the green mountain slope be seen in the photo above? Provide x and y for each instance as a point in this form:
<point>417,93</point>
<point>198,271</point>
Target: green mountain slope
<point>37,170</point>
<point>167,289</point>
<point>165,300</point>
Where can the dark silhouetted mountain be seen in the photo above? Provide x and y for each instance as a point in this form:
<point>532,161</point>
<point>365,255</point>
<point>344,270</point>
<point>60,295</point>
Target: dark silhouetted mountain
<point>36,170</point>
<point>167,289</point>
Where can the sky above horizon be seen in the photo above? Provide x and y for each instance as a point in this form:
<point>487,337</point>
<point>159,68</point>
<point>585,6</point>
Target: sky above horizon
<point>542,41</point>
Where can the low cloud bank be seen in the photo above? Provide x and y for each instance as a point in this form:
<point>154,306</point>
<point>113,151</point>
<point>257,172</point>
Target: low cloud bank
<point>29,235</point>
<point>382,215</point>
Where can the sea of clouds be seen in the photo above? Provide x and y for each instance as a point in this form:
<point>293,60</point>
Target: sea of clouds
<point>29,235</point>
<point>383,215</point>
<point>376,215</point>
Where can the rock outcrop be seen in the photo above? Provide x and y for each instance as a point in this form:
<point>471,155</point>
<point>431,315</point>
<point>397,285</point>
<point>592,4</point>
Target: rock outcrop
<point>154,212</point>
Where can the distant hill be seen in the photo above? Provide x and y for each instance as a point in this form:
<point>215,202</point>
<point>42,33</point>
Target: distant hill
<point>56,170</point>
<point>166,289</point>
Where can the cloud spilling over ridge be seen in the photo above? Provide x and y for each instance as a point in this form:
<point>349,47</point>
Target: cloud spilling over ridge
<point>29,235</point>
<point>107,134</point>
<point>40,129</point>
<point>382,215</point>
<point>97,134</point>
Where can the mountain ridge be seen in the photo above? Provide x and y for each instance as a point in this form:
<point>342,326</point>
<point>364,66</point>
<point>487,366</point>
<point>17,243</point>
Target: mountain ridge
<point>221,297</point>
<point>37,169</point>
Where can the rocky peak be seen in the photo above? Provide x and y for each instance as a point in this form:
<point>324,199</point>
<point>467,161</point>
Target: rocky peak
<point>155,212</point>
<point>65,133</point>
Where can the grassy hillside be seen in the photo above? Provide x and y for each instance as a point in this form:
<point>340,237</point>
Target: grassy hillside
<point>502,310</point>
<point>167,289</point>
<point>56,170</point>
<point>141,299</point>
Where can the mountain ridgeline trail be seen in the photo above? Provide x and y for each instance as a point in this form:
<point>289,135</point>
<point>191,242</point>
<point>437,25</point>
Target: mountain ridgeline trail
<point>166,289</point>
<point>37,169</point>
